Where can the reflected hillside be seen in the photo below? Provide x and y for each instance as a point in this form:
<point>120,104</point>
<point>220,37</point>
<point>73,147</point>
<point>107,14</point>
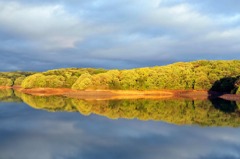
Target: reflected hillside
<point>8,95</point>
<point>173,111</point>
<point>214,112</point>
<point>200,112</point>
<point>49,103</point>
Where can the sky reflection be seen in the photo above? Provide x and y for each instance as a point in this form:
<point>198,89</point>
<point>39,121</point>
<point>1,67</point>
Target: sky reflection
<point>26,133</point>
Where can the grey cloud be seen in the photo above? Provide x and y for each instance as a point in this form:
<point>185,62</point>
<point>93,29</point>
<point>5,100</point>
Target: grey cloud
<point>115,34</point>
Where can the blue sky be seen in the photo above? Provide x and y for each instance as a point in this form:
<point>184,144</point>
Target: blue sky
<point>39,35</point>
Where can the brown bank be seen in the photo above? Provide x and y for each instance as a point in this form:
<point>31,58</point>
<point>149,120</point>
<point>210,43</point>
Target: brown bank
<point>125,94</point>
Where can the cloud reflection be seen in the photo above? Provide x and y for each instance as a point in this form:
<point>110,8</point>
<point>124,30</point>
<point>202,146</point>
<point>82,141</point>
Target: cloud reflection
<point>26,133</point>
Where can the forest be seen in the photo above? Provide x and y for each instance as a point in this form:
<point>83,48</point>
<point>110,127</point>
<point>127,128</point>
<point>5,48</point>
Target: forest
<point>13,78</point>
<point>219,75</point>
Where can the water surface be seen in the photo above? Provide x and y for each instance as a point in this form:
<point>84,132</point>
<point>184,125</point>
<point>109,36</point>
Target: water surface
<point>62,128</point>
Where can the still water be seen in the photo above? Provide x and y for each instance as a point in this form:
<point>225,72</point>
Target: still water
<point>57,127</point>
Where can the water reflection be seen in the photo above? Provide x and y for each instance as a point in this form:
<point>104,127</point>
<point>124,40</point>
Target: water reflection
<point>225,105</point>
<point>27,133</point>
<point>214,112</point>
<point>32,132</point>
<point>8,95</point>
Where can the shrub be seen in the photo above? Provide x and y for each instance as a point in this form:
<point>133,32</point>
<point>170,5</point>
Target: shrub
<point>6,82</point>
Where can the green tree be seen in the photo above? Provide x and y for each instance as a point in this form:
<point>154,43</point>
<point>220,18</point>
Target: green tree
<point>19,81</point>
<point>6,82</point>
<point>202,82</point>
<point>34,81</point>
<point>83,82</point>
<point>237,86</point>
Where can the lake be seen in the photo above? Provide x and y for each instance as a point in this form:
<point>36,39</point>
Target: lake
<point>57,127</point>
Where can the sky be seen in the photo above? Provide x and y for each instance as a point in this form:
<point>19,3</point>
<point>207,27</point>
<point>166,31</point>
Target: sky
<point>37,35</point>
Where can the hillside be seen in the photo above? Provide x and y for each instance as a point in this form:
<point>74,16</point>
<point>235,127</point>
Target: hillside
<point>223,76</point>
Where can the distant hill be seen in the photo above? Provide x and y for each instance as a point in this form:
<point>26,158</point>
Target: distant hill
<point>219,75</point>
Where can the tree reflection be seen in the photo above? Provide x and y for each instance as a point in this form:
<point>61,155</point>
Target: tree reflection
<point>8,95</point>
<point>224,105</point>
<point>214,112</point>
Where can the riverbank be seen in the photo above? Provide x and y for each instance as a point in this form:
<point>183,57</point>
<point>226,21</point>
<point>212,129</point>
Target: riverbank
<point>126,94</point>
<point>97,94</point>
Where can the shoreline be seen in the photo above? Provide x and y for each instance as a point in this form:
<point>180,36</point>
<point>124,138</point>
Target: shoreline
<point>125,94</point>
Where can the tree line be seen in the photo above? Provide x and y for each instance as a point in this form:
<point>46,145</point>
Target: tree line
<point>13,78</point>
<point>58,78</point>
<point>217,75</point>
<point>197,75</point>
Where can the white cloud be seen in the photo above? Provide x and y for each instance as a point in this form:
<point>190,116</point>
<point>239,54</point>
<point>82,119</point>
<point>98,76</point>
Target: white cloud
<point>50,25</point>
<point>184,33</point>
<point>140,31</point>
<point>181,17</point>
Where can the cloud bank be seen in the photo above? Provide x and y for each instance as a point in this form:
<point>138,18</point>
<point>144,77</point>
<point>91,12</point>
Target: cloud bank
<point>43,35</point>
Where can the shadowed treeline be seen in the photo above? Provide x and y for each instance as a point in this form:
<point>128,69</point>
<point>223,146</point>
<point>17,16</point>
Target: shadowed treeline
<point>217,112</point>
<point>228,88</point>
<point>227,85</point>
